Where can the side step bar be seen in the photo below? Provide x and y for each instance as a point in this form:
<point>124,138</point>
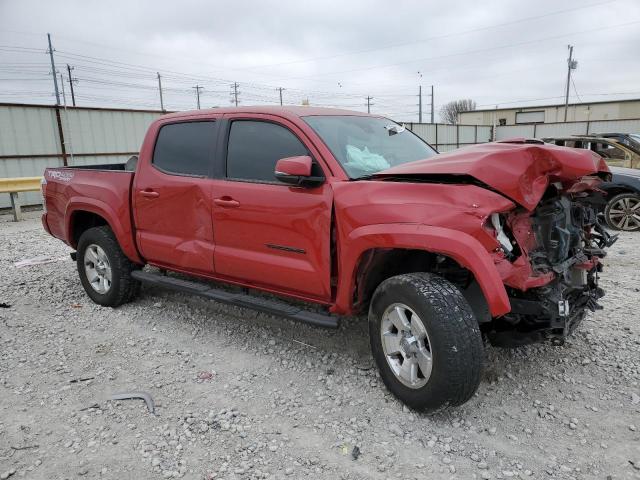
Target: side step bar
<point>273,307</point>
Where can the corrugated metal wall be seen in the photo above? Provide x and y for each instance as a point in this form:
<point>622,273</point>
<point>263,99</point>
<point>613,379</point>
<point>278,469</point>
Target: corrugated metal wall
<point>444,137</point>
<point>28,131</point>
<point>100,131</point>
<point>30,139</point>
<point>512,131</point>
<point>612,126</point>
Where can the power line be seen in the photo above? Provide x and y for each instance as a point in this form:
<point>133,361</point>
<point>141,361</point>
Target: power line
<point>339,55</point>
<point>472,52</point>
<point>429,39</point>
<point>175,87</point>
<point>576,90</point>
<point>139,72</point>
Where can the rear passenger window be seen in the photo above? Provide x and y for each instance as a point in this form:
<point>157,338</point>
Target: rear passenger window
<point>255,147</point>
<point>185,148</point>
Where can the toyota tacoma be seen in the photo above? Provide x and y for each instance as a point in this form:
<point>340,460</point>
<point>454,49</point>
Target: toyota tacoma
<point>353,214</point>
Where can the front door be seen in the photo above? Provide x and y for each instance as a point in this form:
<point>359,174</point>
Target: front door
<point>269,234</point>
<point>172,198</point>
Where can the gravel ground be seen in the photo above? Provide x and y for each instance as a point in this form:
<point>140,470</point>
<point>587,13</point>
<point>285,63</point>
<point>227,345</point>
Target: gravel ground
<point>243,395</point>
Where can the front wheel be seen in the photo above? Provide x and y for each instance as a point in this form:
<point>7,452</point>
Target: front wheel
<point>623,212</point>
<point>105,271</point>
<point>425,341</point>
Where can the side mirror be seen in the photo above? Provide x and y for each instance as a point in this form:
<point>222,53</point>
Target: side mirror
<point>297,171</point>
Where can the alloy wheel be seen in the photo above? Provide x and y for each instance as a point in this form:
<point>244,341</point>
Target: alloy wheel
<point>625,213</point>
<point>406,345</point>
<point>97,268</point>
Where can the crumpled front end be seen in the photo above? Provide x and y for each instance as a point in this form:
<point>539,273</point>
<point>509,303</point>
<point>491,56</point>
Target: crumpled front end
<point>549,260</point>
<point>546,243</point>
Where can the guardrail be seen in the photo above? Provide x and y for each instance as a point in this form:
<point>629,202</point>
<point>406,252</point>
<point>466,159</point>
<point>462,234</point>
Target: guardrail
<point>13,186</point>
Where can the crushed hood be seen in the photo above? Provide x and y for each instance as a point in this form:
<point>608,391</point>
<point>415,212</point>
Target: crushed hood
<point>518,169</point>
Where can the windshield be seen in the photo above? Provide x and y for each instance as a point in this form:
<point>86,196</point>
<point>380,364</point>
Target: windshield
<point>367,145</point>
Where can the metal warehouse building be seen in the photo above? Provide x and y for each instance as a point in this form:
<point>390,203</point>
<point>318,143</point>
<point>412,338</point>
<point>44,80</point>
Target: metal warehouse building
<point>577,112</point>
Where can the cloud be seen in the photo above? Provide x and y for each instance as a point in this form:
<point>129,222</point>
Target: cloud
<point>331,52</point>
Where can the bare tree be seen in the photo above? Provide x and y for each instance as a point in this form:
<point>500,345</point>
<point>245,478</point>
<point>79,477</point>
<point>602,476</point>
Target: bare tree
<point>449,112</point>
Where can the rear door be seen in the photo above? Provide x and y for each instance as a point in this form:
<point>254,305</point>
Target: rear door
<point>172,197</point>
<point>269,234</point>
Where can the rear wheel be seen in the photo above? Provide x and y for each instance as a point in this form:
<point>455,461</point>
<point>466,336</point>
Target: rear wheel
<point>105,272</point>
<point>623,212</point>
<point>425,341</point>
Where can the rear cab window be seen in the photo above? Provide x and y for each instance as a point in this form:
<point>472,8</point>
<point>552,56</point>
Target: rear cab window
<point>254,147</point>
<point>185,148</point>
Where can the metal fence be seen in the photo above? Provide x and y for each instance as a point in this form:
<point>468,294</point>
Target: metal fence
<point>33,137</point>
<point>444,137</point>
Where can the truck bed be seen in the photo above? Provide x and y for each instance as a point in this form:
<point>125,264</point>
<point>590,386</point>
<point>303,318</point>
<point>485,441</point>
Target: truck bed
<point>88,188</point>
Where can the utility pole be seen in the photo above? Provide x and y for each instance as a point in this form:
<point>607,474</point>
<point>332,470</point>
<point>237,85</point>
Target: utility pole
<point>369,104</point>
<point>280,89</point>
<point>53,70</point>
<point>64,95</point>
<point>67,141</point>
<point>198,89</point>
<point>571,65</point>
<point>432,118</point>
<point>235,93</point>
<point>160,90</point>
<point>420,104</point>
<point>71,80</point>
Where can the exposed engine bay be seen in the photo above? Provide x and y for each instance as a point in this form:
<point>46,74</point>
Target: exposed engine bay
<point>564,242</point>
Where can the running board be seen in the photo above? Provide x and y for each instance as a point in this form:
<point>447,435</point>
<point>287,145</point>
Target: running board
<point>266,305</point>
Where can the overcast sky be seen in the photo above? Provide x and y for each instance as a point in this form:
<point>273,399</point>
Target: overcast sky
<point>329,52</point>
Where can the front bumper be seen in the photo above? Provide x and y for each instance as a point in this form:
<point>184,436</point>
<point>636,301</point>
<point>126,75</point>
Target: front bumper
<point>550,313</point>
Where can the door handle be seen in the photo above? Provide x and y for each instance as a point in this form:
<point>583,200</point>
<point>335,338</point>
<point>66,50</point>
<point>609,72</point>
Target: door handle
<point>149,193</point>
<point>226,202</point>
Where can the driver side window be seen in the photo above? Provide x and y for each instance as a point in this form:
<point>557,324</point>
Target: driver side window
<point>254,147</point>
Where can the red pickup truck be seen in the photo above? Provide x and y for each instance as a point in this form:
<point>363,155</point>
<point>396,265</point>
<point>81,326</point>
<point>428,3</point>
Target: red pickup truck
<point>355,214</point>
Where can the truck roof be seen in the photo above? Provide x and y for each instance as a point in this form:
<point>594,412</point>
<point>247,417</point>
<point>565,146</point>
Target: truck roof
<point>284,111</point>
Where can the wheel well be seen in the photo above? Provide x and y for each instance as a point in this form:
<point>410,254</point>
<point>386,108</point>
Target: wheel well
<point>81,221</point>
<point>378,264</point>
<point>612,192</point>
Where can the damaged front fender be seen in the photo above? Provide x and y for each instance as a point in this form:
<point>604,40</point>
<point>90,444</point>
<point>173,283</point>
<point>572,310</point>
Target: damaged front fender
<point>467,251</point>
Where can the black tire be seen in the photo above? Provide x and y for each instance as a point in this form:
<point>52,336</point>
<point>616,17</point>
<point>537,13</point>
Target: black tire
<point>123,287</point>
<point>456,345</point>
<point>615,223</point>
